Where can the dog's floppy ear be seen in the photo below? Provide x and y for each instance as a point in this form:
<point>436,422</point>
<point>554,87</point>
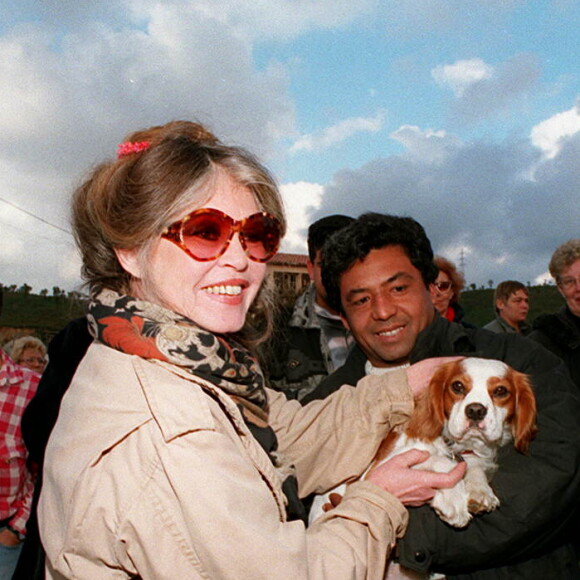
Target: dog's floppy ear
<point>524,421</point>
<point>427,419</point>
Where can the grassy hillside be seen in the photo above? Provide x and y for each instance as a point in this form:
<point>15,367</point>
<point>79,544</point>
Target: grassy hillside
<point>46,315</point>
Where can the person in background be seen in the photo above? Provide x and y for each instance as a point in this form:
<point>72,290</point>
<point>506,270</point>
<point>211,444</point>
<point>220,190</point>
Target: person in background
<point>560,332</point>
<point>512,304</point>
<point>29,352</point>
<point>65,352</point>
<point>17,386</point>
<point>170,458</point>
<point>311,341</point>
<point>377,272</point>
<point>445,290</point>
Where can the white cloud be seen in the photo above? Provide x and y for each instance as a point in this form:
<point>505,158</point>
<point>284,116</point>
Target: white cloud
<point>477,197</point>
<point>429,146</point>
<point>69,266</point>
<point>551,133</point>
<point>70,97</point>
<point>28,100</point>
<point>300,200</point>
<point>340,132</point>
<point>267,19</point>
<point>482,91</point>
<point>545,278</point>
<point>461,74</point>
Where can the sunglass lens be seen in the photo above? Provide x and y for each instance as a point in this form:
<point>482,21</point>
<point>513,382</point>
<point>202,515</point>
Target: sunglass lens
<point>261,235</point>
<point>205,235</point>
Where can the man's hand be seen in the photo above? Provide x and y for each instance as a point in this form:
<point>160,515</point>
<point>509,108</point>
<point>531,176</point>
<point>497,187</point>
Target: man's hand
<point>8,538</point>
<point>419,374</point>
<point>413,487</point>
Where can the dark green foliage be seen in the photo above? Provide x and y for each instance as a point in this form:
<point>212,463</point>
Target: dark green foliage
<point>46,315</point>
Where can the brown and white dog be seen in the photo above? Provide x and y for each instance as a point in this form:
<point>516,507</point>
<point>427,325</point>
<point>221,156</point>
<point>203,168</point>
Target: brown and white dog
<point>471,408</point>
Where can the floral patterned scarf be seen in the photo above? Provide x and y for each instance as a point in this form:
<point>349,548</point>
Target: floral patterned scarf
<point>141,328</point>
<point>138,327</point>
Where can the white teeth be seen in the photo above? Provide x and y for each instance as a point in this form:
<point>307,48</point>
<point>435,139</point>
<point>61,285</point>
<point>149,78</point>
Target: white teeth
<point>390,332</point>
<point>229,290</point>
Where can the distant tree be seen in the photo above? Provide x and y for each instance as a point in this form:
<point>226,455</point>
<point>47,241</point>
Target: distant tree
<point>56,291</point>
<point>43,292</point>
<point>25,289</point>
<point>11,288</point>
<point>490,283</point>
<point>473,286</point>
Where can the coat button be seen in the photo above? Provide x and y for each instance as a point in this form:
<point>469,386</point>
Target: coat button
<point>420,556</point>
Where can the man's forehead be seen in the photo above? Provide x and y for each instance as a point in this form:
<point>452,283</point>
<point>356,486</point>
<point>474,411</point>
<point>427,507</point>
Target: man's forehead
<point>389,258</point>
<point>519,294</point>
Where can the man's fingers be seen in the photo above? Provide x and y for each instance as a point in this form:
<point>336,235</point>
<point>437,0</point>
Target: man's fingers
<point>440,480</point>
<point>411,457</point>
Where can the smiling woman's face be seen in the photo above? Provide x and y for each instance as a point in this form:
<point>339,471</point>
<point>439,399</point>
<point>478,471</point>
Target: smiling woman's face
<point>215,294</point>
<point>32,358</point>
<point>441,297</point>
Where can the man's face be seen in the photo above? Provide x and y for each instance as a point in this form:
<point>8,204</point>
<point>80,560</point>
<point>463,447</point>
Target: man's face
<point>386,305</point>
<point>515,309</point>
<point>315,273</point>
<point>569,287</point>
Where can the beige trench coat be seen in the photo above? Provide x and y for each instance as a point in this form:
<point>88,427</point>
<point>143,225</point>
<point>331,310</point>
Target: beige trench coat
<point>147,474</point>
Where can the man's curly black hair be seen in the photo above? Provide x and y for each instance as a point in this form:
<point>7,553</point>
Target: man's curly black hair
<point>373,231</point>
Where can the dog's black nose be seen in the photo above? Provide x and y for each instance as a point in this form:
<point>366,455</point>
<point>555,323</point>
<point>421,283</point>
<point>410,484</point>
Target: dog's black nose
<point>475,411</point>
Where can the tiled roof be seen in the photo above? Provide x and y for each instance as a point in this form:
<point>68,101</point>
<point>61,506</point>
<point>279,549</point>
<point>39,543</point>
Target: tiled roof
<point>281,259</point>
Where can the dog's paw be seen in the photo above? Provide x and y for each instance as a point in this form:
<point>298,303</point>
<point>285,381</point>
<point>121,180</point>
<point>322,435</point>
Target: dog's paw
<point>481,499</point>
<point>451,506</point>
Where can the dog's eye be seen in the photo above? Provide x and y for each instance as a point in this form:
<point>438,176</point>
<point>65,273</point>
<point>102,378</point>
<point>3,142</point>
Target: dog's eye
<point>458,387</point>
<point>500,391</point>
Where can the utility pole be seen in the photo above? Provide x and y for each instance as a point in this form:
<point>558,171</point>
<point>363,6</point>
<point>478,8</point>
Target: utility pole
<point>462,262</point>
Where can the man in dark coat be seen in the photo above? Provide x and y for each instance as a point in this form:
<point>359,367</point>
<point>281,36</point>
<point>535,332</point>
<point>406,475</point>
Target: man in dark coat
<point>377,273</point>
<point>560,332</point>
<point>309,340</point>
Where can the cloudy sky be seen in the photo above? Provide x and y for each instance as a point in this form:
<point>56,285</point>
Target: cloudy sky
<point>463,115</point>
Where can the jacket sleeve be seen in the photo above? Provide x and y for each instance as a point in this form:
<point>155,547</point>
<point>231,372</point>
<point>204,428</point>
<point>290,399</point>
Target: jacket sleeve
<point>333,440</point>
<point>22,502</point>
<point>206,513</point>
<point>538,491</point>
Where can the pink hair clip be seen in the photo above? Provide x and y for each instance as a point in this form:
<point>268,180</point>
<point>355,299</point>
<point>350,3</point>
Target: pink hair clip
<point>128,148</point>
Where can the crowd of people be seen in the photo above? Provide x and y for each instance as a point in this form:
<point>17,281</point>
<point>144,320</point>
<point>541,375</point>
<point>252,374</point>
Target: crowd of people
<point>182,425</point>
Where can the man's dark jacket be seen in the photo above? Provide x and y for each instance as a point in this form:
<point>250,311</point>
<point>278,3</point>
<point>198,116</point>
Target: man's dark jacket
<point>560,333</point>
<point>528,536</point>
<point>295,359</point>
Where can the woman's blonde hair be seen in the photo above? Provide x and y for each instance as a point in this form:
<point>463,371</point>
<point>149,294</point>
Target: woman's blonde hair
<point>128,202</point>
<point>19,345</point>
<point>564,256</point>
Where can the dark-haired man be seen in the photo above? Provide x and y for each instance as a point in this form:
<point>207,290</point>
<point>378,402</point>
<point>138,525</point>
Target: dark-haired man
<point>377,272</point>
<point>311,341</point>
